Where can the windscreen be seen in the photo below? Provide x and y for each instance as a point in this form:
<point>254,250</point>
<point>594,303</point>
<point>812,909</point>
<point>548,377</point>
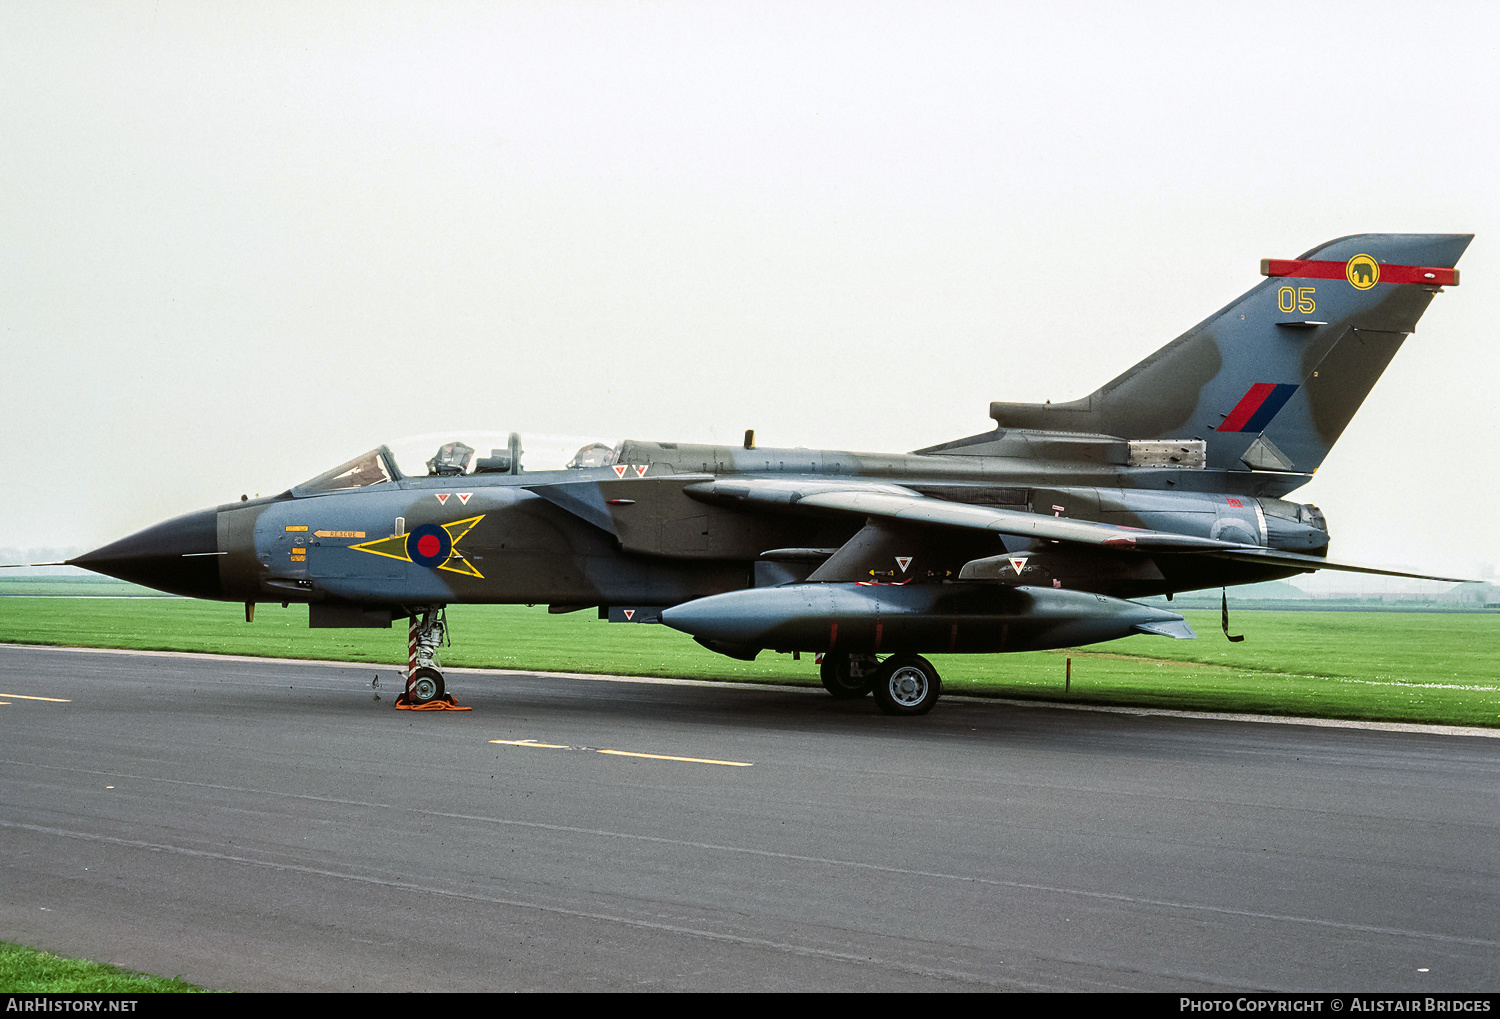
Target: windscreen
<point>367,469</point>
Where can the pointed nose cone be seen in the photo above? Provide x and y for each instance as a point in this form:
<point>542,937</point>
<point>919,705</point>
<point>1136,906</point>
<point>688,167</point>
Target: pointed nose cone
<point>179,556</point>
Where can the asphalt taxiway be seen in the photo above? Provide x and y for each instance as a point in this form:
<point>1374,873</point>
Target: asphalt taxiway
<point>271,825</point>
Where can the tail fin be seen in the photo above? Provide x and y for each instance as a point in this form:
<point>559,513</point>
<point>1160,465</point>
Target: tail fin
<point>1270,382</point>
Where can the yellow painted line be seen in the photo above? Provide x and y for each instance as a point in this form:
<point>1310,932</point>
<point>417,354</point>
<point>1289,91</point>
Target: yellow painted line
<point>25,697</point>
<point>297,527</point>
<point>622,753</point>
<point>690,760</point>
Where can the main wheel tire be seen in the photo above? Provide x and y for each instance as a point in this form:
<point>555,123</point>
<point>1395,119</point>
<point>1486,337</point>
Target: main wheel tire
<point>848,676</point>
<point>426,685</point>
<point>907,685</point>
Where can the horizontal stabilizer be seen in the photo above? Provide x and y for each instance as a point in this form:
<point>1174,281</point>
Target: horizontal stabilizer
<point>1310,563</point>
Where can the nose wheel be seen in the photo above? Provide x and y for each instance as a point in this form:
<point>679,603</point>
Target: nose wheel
<point>426,685</point>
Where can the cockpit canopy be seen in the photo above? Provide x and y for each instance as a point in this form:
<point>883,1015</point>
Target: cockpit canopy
<point>368,469</point>
<point>447,456</point>
<point>595,454</point>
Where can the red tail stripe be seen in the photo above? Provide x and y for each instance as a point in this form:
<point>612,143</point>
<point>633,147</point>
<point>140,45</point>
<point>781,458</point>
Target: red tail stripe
<point>1433,276</point>
<point>1248,405</point>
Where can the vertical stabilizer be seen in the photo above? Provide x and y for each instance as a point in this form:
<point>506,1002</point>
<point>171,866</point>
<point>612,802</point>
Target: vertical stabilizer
<point>1271,381</point>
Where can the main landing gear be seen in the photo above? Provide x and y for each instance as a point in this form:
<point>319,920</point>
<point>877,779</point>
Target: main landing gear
<point>902,684</point>
<point>848,676</point>
<point>426,633</point>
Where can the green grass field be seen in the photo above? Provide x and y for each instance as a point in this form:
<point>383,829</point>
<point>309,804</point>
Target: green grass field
<point>1409,667</point>
<point>25,970</point>
<point>74,587</point>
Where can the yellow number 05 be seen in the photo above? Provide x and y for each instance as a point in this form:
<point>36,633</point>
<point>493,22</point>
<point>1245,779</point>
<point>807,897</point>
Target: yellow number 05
<point>1298,299</point>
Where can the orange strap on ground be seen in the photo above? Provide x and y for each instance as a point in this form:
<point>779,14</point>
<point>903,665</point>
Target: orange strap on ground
<point>443,703</point>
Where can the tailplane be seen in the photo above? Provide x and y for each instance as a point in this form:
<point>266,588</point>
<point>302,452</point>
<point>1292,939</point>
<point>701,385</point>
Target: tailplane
<point>1271,381</point>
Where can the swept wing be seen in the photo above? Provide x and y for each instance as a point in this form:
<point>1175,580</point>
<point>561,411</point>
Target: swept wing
<point>891,502</point>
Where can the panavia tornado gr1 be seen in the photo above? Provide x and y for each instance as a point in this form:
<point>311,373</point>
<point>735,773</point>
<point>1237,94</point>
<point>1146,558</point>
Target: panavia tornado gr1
<point>1036,534</point>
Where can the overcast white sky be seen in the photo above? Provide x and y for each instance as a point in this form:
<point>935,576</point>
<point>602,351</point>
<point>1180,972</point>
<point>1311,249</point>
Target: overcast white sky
<point>243,242</point>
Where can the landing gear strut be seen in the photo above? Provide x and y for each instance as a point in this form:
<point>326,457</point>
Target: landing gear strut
<point>426,633</point>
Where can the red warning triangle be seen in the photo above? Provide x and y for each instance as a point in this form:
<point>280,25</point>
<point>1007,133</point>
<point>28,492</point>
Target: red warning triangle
<point>903,561</point>
<point>1018,563</point>
<point>620,470</point>
<point>640,470</point>
<point>442,497</point>
<point>629,614</point>
<point>464,497</point>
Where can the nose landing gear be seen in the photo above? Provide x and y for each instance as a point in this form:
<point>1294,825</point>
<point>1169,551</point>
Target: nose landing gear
<point>425,689</point>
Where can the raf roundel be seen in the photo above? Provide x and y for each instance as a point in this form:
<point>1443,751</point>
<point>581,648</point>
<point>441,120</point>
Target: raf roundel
<point>429,545</point>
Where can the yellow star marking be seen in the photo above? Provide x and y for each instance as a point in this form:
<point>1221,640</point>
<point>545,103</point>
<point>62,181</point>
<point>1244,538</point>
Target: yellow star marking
<point>459,528</point>
<point>394,547</point>
<point>456,562</point>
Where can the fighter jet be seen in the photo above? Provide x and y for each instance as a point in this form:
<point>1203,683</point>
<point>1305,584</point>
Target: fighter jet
<point>1036,534</point>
